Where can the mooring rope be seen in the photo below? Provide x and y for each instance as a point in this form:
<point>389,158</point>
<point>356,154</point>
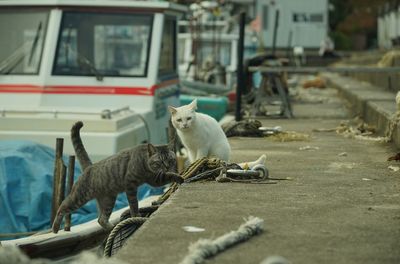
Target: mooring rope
<point>117,228</point>
<point>206,248</point>
<point>190,171</point>
<point>211,169</point>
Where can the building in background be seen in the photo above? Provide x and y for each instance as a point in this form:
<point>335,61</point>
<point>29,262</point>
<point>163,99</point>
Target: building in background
<point>300,23</point>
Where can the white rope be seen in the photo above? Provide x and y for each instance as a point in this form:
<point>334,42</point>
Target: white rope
<point>205,248</point>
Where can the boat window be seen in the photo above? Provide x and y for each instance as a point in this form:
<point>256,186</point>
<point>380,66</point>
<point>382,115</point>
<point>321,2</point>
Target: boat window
<point>103,44</point>
<point>168,47</point>
<point>22,32</point>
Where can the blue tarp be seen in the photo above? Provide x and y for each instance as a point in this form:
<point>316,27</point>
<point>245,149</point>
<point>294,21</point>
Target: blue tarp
<point>26,183</point>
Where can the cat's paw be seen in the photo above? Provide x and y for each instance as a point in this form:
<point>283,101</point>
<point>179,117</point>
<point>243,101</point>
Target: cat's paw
<point>108,226</point>
<point>179,179</point>
<point>55,229</point>
<point>57,222</point>
<point>175,177</point>
<point>134,212</point>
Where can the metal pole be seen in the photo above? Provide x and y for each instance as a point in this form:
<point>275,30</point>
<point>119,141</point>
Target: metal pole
<point>276,25</point>
<point>289,44</point>
<point>240,71</point>
<point>71,172</point>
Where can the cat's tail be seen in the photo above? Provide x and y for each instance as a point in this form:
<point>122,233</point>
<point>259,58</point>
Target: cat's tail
<point>79,148</point>
<point>59,217</point>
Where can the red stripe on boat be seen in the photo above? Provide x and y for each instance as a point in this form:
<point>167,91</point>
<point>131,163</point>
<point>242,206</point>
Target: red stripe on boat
<point>78,89</point>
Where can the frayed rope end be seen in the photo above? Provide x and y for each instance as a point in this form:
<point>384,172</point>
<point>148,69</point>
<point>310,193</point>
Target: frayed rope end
<point>205,248</point>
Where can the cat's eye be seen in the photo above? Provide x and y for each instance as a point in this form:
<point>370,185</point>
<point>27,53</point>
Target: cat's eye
<point>179,119</point>
<point>189,118</point>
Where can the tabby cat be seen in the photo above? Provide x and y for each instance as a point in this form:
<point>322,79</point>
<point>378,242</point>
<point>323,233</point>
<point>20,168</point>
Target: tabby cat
<point>122,172</point>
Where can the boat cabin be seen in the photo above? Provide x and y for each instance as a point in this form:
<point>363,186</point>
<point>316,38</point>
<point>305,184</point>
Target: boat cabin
<point>110,63</point>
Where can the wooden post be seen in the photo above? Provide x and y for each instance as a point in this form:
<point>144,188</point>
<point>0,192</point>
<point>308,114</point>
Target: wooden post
<point>56,178</point>
<point>71,172</point>
<point>61,183</point>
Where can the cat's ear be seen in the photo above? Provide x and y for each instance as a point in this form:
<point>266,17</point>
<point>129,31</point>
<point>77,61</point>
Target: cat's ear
<point>151,149</point>
<point>193,105</point>
<point>172,110</point>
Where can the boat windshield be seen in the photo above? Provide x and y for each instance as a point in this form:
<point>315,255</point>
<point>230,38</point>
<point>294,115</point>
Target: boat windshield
<point>103,44</point>
<point>22,32</point>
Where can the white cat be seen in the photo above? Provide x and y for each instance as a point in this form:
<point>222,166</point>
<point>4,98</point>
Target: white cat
<point>202,136</point>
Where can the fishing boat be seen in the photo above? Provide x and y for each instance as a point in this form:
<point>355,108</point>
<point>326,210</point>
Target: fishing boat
<point>65,244</point>
<point>109,63</point>
<point>208,57</point>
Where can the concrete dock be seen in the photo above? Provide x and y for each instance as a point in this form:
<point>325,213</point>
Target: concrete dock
<point>339,204</point>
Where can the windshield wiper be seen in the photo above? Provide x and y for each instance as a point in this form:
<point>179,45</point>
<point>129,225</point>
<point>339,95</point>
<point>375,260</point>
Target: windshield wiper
<point>10,63</point>
<point>83,60</point>
<point>35,42</point>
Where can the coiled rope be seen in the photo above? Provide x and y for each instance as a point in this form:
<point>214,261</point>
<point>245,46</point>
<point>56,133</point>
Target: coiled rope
<point>213,169</point>
<point>137,221</point>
